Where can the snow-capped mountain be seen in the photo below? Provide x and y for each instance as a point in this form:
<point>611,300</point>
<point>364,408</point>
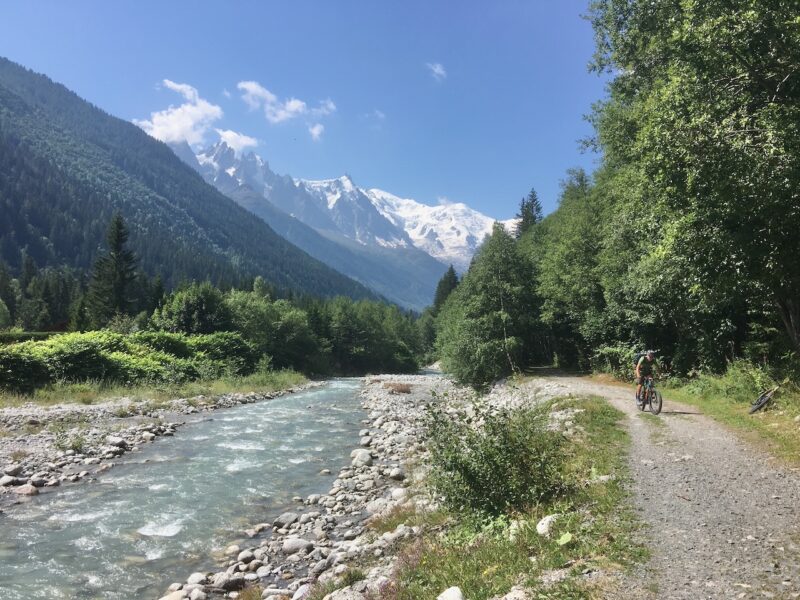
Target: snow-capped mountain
<point>449,232</point>
<point>397,246</point>
<point>355,214</point>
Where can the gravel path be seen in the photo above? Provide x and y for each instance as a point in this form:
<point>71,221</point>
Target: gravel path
<point>722,517</point>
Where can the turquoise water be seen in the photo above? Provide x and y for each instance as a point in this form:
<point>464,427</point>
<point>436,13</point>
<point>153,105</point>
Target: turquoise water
<point>161,513</point>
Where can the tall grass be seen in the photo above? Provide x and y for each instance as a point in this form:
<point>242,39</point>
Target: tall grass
<point>91,392</point>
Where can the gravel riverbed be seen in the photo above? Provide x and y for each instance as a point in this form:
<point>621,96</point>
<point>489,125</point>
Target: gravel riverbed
<point>327,534</point>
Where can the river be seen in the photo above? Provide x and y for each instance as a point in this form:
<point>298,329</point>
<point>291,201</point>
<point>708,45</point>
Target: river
<point>163,512</point>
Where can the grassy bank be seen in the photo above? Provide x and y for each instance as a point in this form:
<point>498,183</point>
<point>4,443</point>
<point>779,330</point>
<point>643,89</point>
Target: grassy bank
<point>487,555</point>
<point>726,398</point>
<point>92,392</point>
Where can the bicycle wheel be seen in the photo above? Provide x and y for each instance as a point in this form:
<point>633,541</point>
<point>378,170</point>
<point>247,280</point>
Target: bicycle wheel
<point>655,402</point>
<point>761,401</point>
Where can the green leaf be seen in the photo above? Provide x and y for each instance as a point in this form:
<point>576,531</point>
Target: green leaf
<point>565,539</point>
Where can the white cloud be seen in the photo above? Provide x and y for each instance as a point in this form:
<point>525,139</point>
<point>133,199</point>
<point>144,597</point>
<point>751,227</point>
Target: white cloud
<point>276,110</point>
<point>256,96</point>
<point>316,131</point>
<point>226,93</point>
<point>379,114</point>
<point>188,122</point>
<point>326,107</point>
<point>444,200</point>
<point>437,71</point>
<point>238,141</point>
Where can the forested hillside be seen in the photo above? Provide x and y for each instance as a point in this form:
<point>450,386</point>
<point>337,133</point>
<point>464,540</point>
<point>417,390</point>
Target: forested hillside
<point>66,168</point>
<point>687,237</point>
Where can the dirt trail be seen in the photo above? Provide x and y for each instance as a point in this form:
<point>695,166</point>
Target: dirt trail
<point>723,519</point>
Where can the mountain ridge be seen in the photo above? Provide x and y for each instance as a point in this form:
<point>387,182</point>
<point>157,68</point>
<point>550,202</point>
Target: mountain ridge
<point>66,167</point>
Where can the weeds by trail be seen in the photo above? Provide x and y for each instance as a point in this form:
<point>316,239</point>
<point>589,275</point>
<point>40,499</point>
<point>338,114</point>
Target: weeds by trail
<point>486,554</point>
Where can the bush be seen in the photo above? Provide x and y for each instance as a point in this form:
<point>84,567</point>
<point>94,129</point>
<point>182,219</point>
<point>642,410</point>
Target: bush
<point>15,336</point>
<point>616,360</point>
<point>172,343</point>
<point>230,349</point>
<point>742,382</point>
<point>21,370</point>
<point>494,462</point>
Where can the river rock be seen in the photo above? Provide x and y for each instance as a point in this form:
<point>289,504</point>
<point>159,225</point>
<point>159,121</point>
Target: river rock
<point>453,593</point>
<point>361,458</point>
<point>302,592</point>
<point>228,582</point>
<point>13,470</point>
<point>7,480</point>
<point>197,594</point>
<point>292,545</point>
<point>397,474</point>
<point>245,556</point>
<point>345,594</point>
<point>544,526</point>
<point>285,520</point>
<point>27,490</point>
<point>177,595</point>
<point>196,578</point>
<point>115,440</point>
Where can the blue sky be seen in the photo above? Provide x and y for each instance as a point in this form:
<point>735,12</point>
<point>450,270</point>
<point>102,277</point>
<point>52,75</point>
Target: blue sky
<point>440,101</point>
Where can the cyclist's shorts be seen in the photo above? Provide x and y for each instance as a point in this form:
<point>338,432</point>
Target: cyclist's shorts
<point>642,379</point>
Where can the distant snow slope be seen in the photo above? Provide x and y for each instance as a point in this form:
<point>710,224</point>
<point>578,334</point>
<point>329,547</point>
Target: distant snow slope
<point>450,233</point>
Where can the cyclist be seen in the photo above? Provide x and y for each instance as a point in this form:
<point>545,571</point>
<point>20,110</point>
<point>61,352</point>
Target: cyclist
<point>644,368</point>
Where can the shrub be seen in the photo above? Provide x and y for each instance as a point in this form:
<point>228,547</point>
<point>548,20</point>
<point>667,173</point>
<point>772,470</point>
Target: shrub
<point>22,370</point>
<point>172,343</point>
<point>198,308</point>
<point>742,382</point>
<point>227,348</point>
<point>494,462</point>
<point>617,360</point>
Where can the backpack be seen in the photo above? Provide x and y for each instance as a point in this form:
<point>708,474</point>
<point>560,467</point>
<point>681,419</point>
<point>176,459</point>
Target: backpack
<point>637,357</point>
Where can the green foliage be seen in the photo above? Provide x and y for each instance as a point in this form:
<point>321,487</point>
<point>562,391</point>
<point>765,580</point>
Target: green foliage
<point>530,213</point>
<point>616,360</point>
<point>197,308</point>
<point>484,324</point>
<point>112,277</point>
<point>742,383</point>
<point>142,358</point>
<point>5,315</point>
<point>226,348</point>
<point>511,463</point>
<point>447,284</point>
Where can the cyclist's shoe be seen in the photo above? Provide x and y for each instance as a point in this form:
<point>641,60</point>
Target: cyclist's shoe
<point>638,401</point>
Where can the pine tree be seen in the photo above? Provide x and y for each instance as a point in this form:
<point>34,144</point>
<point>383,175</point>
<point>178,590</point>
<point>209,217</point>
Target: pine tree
<point>444,288</point>
<point>157,293</point>
<point>110,288</point>
<point>530,213</point>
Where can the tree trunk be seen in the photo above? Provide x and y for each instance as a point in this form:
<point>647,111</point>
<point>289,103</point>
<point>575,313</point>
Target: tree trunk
<point>789,310</point>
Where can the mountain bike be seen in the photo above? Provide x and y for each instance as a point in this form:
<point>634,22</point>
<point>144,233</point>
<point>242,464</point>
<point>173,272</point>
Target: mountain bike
<point>649,397</point>
<point>762,400</point>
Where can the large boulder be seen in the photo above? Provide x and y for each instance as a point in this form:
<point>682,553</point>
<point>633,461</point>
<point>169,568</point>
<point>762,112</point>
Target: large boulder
<point>285,520</point>
<point>361,458</point>
<point>292,545</point>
